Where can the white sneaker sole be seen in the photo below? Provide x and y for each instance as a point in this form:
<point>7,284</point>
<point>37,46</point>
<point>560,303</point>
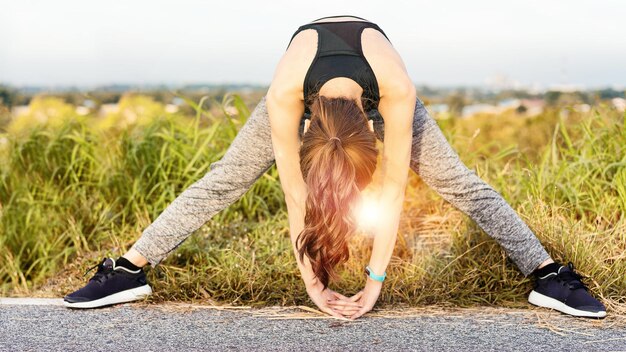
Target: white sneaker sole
<point>132,294</point>
<point>540,300</point>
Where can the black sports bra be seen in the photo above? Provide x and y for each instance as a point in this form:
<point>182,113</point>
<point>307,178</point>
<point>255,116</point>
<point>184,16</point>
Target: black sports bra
<point>339,54</point>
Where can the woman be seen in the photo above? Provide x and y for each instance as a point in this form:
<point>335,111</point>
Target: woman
<point>339,85</point>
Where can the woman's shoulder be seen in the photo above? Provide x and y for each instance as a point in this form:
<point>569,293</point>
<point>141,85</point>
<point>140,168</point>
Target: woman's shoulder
<point>292,67</point>
<point>385,61</point>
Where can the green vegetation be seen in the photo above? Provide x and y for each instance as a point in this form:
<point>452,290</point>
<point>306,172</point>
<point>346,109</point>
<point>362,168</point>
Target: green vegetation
<point>76,188</point>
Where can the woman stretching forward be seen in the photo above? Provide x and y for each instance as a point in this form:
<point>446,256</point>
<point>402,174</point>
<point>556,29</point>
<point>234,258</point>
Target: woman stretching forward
<point>339,85</point>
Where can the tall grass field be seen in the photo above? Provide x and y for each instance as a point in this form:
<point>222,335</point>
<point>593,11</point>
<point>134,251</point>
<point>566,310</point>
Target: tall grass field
<point>74,189</point>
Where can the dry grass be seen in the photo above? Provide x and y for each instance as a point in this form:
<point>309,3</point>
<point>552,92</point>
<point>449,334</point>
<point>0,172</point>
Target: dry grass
<point>74,191</point>
<point>558,323</point>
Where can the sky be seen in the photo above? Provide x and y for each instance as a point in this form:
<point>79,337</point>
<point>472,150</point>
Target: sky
<point>530,43</point>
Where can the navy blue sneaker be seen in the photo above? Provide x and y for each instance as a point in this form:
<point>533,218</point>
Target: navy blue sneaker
<point>564,291</point>
<point>111,284</point>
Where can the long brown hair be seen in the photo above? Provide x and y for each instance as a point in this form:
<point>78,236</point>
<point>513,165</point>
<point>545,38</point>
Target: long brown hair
<point>337,159</point>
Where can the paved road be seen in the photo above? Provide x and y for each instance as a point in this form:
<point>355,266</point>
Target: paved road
<point>167,327</point>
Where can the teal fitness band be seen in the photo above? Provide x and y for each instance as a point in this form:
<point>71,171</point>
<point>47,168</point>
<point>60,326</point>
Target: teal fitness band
<point>371,274</point>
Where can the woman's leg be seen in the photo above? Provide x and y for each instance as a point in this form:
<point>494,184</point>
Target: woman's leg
<point>434,160</point>
<point>249,156</point>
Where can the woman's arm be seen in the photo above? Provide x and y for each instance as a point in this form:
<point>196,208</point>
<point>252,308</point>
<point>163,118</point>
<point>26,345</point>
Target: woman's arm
<point>285,110</point>
<point>397,110</point>
<point>396,106</point>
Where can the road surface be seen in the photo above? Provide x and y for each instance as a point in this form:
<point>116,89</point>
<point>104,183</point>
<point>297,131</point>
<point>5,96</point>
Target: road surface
<point>48,326</point>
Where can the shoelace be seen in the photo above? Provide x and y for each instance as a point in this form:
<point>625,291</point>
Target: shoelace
<point>101,273</point>
<point>571,278</point>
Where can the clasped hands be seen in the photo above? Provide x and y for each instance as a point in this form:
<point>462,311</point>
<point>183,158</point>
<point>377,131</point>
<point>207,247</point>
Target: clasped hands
<point>340,306</point>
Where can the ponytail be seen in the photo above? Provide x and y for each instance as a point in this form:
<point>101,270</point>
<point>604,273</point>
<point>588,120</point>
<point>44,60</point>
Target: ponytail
<point>337,158</point>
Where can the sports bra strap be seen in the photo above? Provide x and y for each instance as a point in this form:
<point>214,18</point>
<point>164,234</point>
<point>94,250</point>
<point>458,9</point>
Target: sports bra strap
<point>321,18</point>
<point>312,25</point>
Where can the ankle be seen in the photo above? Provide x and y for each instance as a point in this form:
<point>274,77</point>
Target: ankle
<point>545,262</point>
<point>135,258</point>
<point>547,269</point>
<point>121,261</point>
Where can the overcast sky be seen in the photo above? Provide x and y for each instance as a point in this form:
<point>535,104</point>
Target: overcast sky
<point>443,42</point>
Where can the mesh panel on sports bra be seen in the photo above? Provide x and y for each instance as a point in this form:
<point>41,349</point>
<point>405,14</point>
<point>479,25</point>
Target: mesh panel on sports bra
<point>339,54</point>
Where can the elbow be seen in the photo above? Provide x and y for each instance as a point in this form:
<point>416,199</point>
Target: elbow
<point>404,89</point>
<point>411,89</point>
<point>275,94</point>
<point>407,94</point>
<point>410,94</point>
<point>270,99</point>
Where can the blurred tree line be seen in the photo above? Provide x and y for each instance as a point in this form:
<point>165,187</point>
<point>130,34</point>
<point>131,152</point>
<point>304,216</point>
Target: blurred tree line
<point>455,98</point>
<point>93,99</point>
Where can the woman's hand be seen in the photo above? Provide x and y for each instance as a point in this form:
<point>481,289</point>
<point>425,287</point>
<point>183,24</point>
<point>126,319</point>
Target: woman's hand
<point>366,298</point>
<point>324,297</point>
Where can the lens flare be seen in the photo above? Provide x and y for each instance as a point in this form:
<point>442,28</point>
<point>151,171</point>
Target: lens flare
<point>368,214</point>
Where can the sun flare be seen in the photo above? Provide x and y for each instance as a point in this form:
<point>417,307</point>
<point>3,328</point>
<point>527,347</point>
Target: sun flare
<point>368,214</point>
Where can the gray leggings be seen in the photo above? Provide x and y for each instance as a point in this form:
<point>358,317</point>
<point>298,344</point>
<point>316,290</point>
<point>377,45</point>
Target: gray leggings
<point>251,154</point>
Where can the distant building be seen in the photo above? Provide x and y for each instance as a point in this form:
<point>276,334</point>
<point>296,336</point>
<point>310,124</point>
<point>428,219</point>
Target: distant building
<point>525,107</point>
<point>106,109</point>
<point>619,104</point>
<point>567,88</point>
<point>474,109</point>
<point>509,103</point>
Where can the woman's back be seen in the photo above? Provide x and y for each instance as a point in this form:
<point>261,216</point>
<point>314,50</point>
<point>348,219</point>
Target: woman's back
<point>341,56</point>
